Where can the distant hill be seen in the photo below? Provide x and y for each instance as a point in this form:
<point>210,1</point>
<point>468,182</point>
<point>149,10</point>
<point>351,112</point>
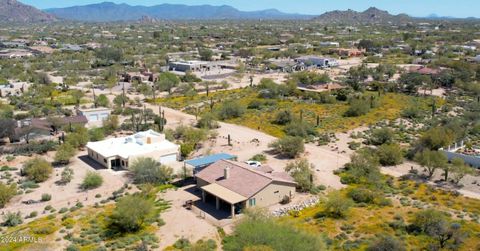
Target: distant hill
<point>14,12</point>
<point>369,16</point>
<point>107,11</point>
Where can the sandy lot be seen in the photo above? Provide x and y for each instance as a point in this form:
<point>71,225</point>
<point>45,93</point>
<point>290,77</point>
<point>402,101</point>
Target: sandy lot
<point>67,195</point>
<point>180,222</point>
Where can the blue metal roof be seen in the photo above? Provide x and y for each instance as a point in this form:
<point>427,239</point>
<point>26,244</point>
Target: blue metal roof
<point>208,160</point>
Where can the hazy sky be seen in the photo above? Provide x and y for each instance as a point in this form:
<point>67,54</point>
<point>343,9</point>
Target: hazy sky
<point>456,8</point>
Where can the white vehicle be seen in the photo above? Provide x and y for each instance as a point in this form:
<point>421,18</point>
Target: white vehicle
<point>252,163</point>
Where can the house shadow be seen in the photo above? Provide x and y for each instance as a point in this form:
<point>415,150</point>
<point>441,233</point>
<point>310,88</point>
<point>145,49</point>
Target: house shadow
<point>93,164</point>
<point>207,209</point>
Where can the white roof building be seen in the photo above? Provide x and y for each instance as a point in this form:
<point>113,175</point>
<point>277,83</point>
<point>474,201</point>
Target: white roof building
<point>118,152</point>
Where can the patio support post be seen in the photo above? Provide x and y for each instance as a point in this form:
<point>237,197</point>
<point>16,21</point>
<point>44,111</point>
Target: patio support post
<point>233,210</point>
<point>217,203</point>
<point>203,195</point>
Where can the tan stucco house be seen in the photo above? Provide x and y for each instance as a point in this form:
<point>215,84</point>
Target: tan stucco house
<point>235,186</point>
<point>120,152</point>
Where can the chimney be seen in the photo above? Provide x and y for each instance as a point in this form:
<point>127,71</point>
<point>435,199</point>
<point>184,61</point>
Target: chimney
<point>226,173</point>
<point>149,140</point>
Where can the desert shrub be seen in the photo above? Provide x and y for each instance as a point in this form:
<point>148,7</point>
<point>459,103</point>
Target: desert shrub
<point>66,175</point>
<point>147,170</point>
<point>390,154</point>
<point>274,236</point>
<point>363,168</point>
<point>46,197</point>
<point>259,157</point>
<point>288,146</point>
<point>302,173</point>
<point>207,121</point>
<point>64,153</point>
<point>130,213</point>
<point>300,129</point>
<point>37,169</point>
<point>336,206</point>
<point>12,219</point>
<point>381,136</point>
<point>96,134</point>
<point>91,180</point>
<point>6,193</point>
<point>386,243</point>
<point>361,195</point>
<point>283,117</point>
<point>358,107</point>
<point>230,110</point>
<point>35,147</point>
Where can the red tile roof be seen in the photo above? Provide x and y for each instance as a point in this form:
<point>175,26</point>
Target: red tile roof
<point>243,179</point>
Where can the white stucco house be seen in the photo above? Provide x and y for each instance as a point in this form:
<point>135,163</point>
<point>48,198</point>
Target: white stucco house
<point>119,152</point>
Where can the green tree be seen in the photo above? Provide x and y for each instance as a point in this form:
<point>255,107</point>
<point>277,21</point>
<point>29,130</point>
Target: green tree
<point>130,214</point>
<point>363,168</point>
<point>288,146</point>
<point>459,170</point>
<point>6,193</point>
<point>431,160</point>
<point>102,100</point>
<point>37,169</point>
<point>166,81</point>
<point>390,154</point>
<point>205,54</point>
<point>301,129</point>
<point>148,170</point>
<point>77,95</point>
<point>436,225</point>
<point>111,124</point>
<point>64,153</point>
<point>302,173</point>
<point>91,180</point>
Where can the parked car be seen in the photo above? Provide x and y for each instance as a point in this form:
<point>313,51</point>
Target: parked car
<point>253,163</point>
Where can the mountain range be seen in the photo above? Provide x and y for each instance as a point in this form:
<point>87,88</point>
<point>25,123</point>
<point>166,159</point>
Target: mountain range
<point>369,16</point>
<point>108,11</point>
<point>15,12</point>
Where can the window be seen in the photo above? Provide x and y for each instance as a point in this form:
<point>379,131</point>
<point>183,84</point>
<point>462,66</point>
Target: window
<point>123,163</point>
<point>276,191</point>
<point>105,160</point>
<point>252,202</point>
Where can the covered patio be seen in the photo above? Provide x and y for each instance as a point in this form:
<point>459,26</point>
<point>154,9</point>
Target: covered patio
<point>223,194</point>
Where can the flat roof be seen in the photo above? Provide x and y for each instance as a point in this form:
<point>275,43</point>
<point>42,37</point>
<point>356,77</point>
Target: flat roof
<point>133,145</point>
<point>208,160</point>
<point>224,193</point>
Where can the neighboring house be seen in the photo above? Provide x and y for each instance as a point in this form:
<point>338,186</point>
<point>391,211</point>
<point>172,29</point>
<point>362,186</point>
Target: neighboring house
<point>424,70</point>
<point>120,152</point>
<point>317,61</point>
<point>235,186</point>
<point>193,65</point>
<point>95,114</point>
<point>343,52</point>
<point>40,128</point>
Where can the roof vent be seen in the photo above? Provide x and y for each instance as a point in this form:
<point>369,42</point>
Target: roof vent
<point>226,173</point>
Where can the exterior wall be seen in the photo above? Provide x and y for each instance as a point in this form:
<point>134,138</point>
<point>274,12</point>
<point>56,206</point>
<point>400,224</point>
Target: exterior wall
<point>159,155</point>
<point>99,158</point>
<point>470,160</point>
<point>94,116</point>
<point>272,194</point>
<point>201,183</point>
